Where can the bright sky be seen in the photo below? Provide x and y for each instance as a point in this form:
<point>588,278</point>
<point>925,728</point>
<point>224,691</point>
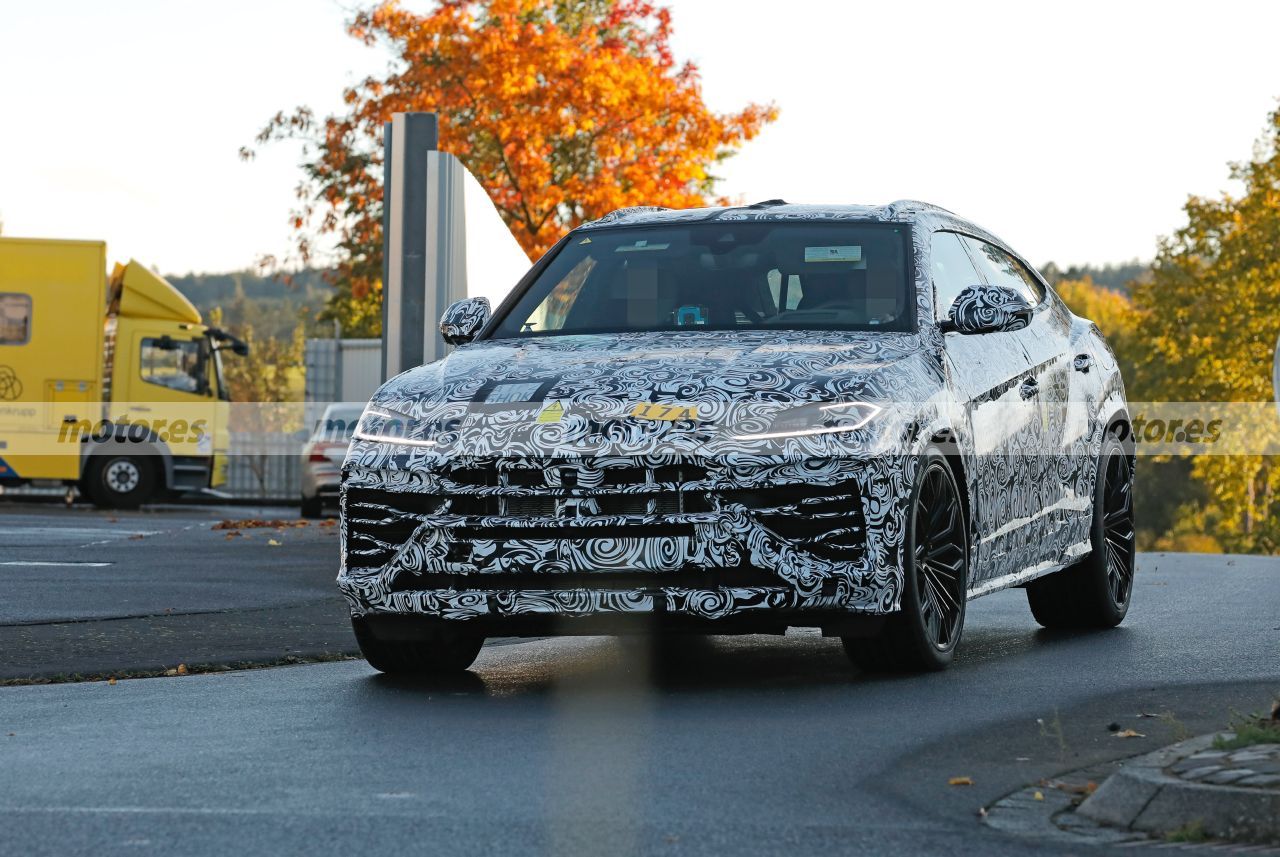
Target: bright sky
<point>1074,134</point>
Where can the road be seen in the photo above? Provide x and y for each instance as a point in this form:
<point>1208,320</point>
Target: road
<point>745,746</point>
<point>93,592</point>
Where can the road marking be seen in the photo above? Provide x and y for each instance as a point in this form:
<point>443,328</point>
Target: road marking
<point>58,564</point>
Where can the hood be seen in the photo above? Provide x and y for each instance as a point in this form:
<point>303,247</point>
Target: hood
<point>644,393</point>
<point>710,368</point>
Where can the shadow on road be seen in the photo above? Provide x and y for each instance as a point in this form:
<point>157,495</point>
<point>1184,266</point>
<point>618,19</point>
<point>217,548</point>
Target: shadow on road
<point>691,665</point>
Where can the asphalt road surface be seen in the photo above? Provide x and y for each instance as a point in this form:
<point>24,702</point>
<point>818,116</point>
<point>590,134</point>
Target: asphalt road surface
<point>87,591</point>
<point>743,746</point>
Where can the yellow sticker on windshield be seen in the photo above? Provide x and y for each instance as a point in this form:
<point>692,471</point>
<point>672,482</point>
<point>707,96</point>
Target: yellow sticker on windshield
<point>666,413</point>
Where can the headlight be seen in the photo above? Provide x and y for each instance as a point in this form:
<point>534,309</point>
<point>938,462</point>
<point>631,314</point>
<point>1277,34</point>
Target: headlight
<point>807,420</point>
<point>379,424</point>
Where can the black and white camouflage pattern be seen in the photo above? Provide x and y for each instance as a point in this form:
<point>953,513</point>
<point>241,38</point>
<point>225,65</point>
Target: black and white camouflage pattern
<point>1029,465</point>
<point>986,308</point>
<point>463,319</point>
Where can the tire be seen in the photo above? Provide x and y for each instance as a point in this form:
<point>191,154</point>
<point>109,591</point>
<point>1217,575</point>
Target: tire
<point>1096,592</point>
<point>119,481</point>
<point>442,651</point>
<point>312,507</point>
<point>922,636</point>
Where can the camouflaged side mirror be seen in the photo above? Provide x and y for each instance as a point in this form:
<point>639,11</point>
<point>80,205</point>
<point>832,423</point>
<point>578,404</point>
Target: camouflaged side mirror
<point>463,320</point>
<point>988,309</point>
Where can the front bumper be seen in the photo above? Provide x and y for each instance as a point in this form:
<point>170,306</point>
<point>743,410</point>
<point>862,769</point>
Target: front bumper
<point>506,542</point>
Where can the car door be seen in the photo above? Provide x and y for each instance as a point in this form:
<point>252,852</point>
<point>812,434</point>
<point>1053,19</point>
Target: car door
<point>1047,388</point>
<point>986,371</point>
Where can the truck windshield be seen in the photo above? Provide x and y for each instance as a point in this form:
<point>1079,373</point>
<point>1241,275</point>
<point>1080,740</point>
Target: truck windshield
<point>723,275</point>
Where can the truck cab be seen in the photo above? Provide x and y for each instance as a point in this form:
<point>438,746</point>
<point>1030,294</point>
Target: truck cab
<point>116,382</point>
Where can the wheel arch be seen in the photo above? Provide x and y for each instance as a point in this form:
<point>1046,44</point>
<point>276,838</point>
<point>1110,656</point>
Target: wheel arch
<point>948,441</point>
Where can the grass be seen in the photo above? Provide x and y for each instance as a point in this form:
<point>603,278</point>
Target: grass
<point>1192,831</point>
<point>190,669</point>
<point>1247,730</point>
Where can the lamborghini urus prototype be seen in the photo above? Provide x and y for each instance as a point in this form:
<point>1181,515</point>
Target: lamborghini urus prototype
<point>739,420</point>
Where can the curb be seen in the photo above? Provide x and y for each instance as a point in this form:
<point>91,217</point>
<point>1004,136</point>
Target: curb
<point>1140,796</point>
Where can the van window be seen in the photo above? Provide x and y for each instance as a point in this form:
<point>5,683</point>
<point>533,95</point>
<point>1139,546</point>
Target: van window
<point>15,318</point>
<point>174,363</point>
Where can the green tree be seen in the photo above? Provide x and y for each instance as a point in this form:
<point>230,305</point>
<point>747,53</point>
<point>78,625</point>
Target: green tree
<point>1211,315</point>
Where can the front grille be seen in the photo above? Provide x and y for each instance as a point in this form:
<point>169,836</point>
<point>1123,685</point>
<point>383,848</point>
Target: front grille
<point>555,500</point>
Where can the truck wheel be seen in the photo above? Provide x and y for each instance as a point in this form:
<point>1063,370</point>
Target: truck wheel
<point>119,481</point>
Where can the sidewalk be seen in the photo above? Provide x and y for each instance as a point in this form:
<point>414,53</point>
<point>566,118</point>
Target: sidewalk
<point>1191,791</point>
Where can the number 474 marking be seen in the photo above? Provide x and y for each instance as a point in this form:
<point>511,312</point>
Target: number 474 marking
<point>669,413</point>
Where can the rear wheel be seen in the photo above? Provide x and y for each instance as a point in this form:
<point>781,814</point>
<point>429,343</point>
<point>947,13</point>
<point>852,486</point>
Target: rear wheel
<point>119,481</point>
<point>1095,592</point>
<point>923,634</point>
<point>439,651</point>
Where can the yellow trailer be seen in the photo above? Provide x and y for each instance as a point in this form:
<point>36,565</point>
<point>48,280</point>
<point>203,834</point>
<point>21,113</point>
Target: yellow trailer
<point>112,384</point>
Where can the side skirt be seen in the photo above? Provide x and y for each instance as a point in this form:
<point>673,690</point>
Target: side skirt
<point>1018,578</point>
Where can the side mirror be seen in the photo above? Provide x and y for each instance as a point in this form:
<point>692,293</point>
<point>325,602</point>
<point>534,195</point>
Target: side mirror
<point>988,309</point>
<point>463,320</point>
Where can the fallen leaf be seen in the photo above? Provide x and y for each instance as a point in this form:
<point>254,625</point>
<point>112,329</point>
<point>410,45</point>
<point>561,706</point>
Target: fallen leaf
<point>170,672</point>
<point>960,781</point>
<point>1039,795</point>
<point>234,534</point>
<point>258,523</point>
<point>273,543</point>
<point>1128,733</point>
<point>136,537</point>
<point>111,680</point>
<point>182,669</point>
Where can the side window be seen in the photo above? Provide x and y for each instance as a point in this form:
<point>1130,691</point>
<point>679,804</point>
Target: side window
<point>1001,269</point>
<point>173,363</point>
<point>953,271</point>
<point>15,319</point>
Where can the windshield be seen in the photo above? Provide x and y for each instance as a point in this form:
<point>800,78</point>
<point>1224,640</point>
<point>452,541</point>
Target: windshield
<point>724,275</point>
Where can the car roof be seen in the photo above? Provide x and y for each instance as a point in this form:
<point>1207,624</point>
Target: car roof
<point>900,211</point>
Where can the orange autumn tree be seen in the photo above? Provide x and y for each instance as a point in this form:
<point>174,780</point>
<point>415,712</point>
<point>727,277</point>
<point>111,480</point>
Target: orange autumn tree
<point>563,110</point>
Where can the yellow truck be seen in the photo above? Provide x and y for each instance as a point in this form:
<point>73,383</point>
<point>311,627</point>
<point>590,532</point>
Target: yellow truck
<point>110,383</point>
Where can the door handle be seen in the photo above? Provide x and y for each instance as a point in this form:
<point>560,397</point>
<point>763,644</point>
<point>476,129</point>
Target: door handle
<point>140,408</point>
<point>1082,362</point>
<point>1029,389</point>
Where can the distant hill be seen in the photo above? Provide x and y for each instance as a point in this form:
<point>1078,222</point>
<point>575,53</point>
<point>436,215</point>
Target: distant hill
<point>270,303</point>
<point>1115,277</point>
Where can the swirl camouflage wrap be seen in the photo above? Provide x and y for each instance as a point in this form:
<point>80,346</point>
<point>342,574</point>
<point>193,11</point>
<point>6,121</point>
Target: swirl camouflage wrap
<point>722,473</point>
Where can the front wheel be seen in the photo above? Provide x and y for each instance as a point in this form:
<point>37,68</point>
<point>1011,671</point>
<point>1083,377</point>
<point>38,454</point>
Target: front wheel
<point>923,634</point>
<point>1095,592</point>
<point>439,651</point>
<point>118,481</point>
